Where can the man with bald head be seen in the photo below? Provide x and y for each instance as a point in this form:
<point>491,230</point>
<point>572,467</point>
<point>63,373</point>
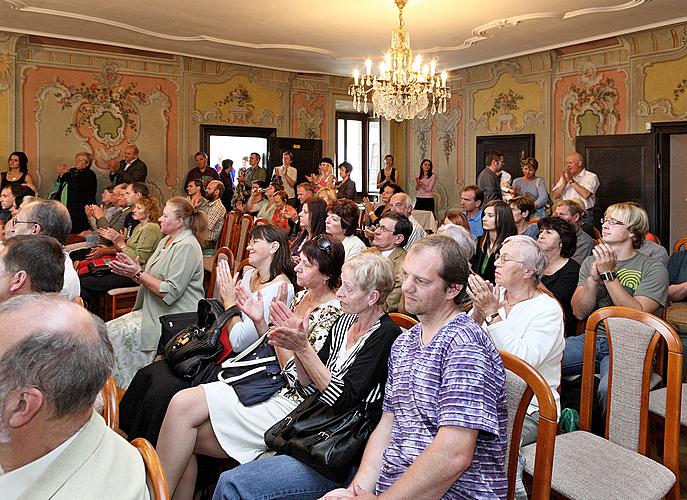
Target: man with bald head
<point>53,362</point>
<point>130,169</point>
<point>402,204</point>
<point>578,184</point>
<point>215,211</point>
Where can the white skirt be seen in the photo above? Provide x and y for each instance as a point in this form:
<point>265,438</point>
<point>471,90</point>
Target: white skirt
<point>240,429</point>
<point>125,335</point>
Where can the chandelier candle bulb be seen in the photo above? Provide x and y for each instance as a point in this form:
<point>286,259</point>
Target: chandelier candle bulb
<point>368,66</point>
<point>356,74</point>
<point>444,75</point>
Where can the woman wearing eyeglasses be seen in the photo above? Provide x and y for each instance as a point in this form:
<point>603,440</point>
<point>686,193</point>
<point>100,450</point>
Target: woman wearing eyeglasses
<point>520,318</point>
<point>498,224</point>
<point>210,419</point>
<point>350,368</point>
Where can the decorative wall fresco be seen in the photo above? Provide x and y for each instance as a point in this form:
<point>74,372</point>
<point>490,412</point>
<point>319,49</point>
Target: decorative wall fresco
<point>239,100</point>
<point>308,115</point>
<point>591,102</point>
<point>665,89</point>
<point>66,111</point>
<point>507,106</point>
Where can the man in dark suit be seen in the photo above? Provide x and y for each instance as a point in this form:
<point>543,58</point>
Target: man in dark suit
<point>130,169</point>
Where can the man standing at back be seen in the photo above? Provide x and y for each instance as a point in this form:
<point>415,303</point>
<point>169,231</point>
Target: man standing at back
<point>255,172</point>
<point>578,184</point>
<point>202,171</point>
<point>215,211</point>
<point>443,430</point>
<point>130,169</point>
<point>53,362</point>
<point>471,200</point>
<point>488,180</point>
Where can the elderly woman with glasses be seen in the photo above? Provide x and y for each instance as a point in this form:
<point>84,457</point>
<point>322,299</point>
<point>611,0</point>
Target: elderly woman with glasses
<point>520,318</point>
<point>210,419</point>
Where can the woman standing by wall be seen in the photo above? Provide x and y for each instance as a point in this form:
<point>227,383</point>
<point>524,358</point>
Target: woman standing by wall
<point>424,186</point>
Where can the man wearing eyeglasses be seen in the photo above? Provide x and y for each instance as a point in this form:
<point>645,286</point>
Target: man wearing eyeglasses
<point>616,274</point>
<point>391,233</point>
<point>51,218</point>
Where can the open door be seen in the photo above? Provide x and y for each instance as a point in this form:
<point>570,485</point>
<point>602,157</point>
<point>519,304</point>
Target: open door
<point>515,149</point>
<point>306,155</point>
<point>628,171</point>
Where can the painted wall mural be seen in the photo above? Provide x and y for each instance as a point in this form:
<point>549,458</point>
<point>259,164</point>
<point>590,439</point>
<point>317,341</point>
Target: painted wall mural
<point>66,111</point>
<point>6,73</point>
<point>665,89</point>
<point>308,115</point>
<point>240,100</point>
<point>509,106</point>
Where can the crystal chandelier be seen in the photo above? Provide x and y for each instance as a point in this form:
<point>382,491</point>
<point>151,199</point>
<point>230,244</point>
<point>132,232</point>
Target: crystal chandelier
<point>404,88</point>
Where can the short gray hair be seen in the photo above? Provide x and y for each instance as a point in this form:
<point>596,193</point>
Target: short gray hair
<point>371,272</point>
<point>69,367</point>
<point>465,239</point>
<point>53,217</point>
<point>533,257</point>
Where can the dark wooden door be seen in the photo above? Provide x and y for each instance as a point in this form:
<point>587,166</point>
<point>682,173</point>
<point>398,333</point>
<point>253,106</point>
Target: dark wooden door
<point>515,149</point>
<point>307,154</point>
<point>627,170</point>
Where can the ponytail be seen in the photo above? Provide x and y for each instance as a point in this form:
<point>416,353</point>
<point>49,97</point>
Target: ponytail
<point>194,219</point>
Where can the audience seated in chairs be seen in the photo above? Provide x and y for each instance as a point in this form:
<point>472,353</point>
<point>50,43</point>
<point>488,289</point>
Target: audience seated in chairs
<point>210,419</point>
<point>52,366</point>
<point>350,369</point>
<point>30,264</point>
<point>615,274</point>
<point>312,217</point>
<point>342,223</point>
<point>521,319</point>
<point>558,240</point>
<point>392,231</point>
<point>50,218</point>
<point>429,442</point>
<point>139,246</point>
<point>145,402</point>
<point>172,281</point>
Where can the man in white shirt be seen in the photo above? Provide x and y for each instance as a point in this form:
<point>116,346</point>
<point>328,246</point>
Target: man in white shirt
<point>579,184</point>
<point>286,175</point>
<point>53,362</point>
<point>402,204</point>
<point>51,218</point>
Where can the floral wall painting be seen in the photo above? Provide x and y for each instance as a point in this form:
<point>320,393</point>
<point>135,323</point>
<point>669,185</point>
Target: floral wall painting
<point>104,112</point>
<point>665,90</point>
<point>507,107</point>
<point>238,101</point>
<point>590,104</point>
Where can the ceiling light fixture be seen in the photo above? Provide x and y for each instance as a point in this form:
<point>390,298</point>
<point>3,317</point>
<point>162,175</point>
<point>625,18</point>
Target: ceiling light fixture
<point>404,88</point>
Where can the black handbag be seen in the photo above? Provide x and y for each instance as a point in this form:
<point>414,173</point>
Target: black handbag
<point>192,348</point>
<point>255,374</point>
<point>172,324</point>
<point>328,441</point>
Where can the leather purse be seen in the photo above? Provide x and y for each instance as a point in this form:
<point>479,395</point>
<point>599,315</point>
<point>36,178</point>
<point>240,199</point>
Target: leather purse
<point>255,373</point>
<point>188,352</point>
<point>328,441</point>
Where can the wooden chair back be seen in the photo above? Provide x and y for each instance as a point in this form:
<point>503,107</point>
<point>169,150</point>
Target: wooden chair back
<point>227,235</point>
<point>222,253</point>
<point>403,320</point>
<point>111,404</point>
<point>524,382</point>
<point>633,337</point>
<point>680,245</point>
<point>244,226</point>
<point>157,484</point>
<point>261,220</point>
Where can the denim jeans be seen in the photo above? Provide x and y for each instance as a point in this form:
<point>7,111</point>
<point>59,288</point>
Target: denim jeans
<point>280,476</point>
<point>573,357</point>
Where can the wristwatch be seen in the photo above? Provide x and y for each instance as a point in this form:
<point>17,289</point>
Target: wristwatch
<point>491,318</point>
<point>609,276</point>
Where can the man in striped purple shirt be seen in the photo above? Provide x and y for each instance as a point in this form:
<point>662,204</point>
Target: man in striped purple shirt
<point>443,431</point>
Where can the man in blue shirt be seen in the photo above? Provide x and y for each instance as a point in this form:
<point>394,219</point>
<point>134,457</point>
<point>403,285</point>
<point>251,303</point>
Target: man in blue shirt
<point>471,200</point>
